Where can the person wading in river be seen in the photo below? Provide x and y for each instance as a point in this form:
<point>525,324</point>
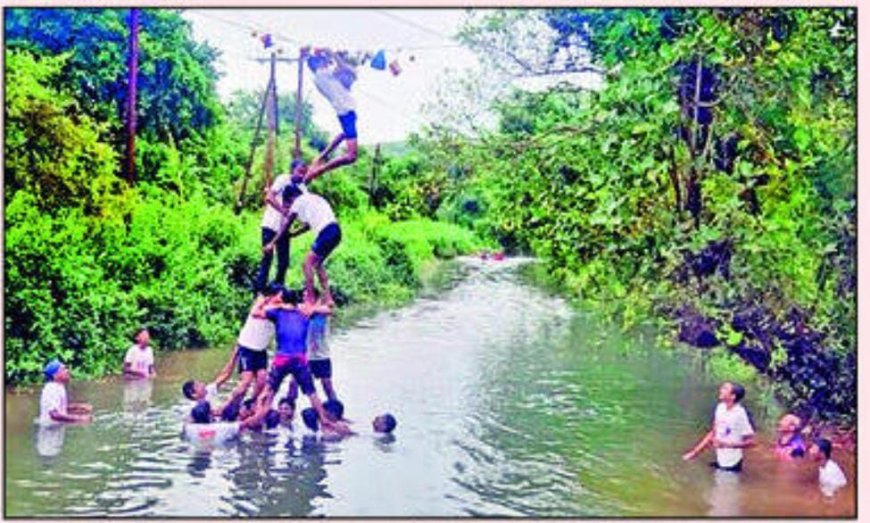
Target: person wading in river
<point>53,404</point>
<point>139,360</point>
<point>731,431</point>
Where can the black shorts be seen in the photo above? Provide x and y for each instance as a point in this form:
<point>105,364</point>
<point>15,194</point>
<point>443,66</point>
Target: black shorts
<point>252,360</point>
<point>321,368</point>
<point>737,467</point>
<point>327,240</point>
<point>283,365</point>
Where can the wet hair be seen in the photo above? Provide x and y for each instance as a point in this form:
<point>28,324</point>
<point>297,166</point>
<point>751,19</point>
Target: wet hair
<point>291,191</point>
<point>287,401</point>
<point>272,419</point>
<point>824,445</point>
<point>316,61</point>
<point>188,389</point>
<point>140,330</point>
<point>738,391</point>
<point>309,417</point>
<point>201,412</point>
<point>335,408</point>
<point>273,288</point>
<point>389,423</point>
<point>290,296</point>
<point>231,412</point>
<point>296,163</point>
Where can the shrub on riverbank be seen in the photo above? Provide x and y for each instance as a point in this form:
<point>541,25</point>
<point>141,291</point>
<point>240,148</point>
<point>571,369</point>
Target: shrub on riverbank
<point>77,286</point>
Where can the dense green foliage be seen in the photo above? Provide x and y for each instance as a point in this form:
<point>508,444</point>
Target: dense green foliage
<point>89,258</point>
<point>688,183</point>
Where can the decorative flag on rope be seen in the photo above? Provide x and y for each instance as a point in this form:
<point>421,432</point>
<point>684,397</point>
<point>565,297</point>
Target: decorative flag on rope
<point>379,62</point>
<point>395,68</point>
<point>267,40</point>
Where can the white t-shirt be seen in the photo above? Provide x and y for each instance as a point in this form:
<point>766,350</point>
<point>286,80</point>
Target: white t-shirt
<point>318,330</point>
<point>271,217</point>
<point>333,90</point>
<point>731,426</point>
<point>313,211</point>
<point>831,477</point>
<point>257,333</point>
<point>217,432</point>
<point>53,398</point>
<point>140,360</point>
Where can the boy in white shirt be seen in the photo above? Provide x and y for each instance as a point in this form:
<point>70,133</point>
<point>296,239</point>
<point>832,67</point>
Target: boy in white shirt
<point>334,84</point>
<point>53,404</point>
<point>139,361</point>
<point>731,431</point>
<point>831,477</point>
<point>316,215</point>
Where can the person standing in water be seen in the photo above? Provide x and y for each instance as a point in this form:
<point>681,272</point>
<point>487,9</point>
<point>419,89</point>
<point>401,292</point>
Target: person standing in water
<point>139,361</point>
<point>54,406</point>
<point>731,431</point>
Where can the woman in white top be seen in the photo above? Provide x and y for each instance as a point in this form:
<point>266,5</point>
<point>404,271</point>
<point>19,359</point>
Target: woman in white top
<point>139,361</point>
<point>316,215</point>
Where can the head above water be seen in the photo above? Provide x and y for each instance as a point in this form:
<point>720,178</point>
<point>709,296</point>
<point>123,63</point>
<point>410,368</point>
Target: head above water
<point>201,412</point>
<point>142,336</point>
<point>193,390</point>
<point>385,423</point>
<point>286,407</point>
<point>56,371</point>
<point>788,423</point>
<point>272,419</point>
<point>309,417</point>
<point>731,393</point>
<point>334,409</point>
<point>821,449</point>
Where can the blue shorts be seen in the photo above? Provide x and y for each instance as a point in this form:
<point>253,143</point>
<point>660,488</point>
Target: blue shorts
<point>327,240</point>
<point>321,368</point>
<point>348,124</point>
<point>297,365</point>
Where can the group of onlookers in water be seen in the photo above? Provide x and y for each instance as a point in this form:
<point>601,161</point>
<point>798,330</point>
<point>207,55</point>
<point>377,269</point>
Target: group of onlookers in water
<point>732,430</point>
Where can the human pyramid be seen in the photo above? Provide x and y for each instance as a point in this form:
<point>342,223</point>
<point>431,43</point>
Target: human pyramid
<point>298,320</point>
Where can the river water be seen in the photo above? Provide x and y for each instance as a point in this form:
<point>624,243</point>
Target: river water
<point>509,402</point>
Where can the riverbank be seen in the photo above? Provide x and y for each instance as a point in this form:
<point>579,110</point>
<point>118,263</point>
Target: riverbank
<point>185,272</point>
<point>721,360</point>
<point>511,403</point>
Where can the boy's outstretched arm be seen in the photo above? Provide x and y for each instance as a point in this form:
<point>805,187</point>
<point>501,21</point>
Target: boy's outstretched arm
<point>705,442</point>
<point>227,371</point>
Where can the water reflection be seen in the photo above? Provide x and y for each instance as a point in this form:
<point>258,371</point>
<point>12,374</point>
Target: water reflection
<point>49,439</point>
<point>137,394</point>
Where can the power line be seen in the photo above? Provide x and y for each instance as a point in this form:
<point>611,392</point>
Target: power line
<point>359,90</point>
